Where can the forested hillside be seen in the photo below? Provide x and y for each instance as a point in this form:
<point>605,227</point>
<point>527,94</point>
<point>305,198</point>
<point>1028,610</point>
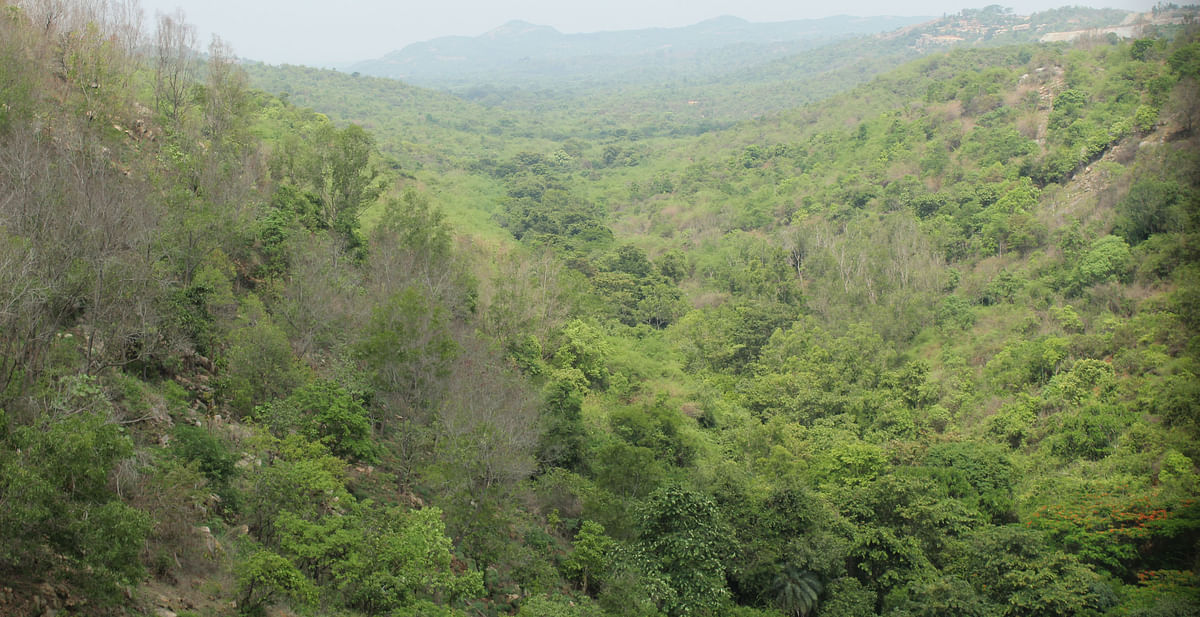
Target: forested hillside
<point>521,53</point>
<point>925,346</point>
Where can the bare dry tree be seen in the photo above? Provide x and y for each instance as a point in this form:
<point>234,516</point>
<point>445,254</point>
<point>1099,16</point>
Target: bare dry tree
<point>175,63</point>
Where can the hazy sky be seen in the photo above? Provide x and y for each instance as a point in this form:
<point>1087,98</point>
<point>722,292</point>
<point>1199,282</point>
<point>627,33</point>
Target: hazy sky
<point>323,33</point>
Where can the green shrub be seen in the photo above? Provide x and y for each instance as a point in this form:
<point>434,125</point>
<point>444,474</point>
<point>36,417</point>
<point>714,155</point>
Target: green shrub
<point>209,452</point>
<point>324,412</point>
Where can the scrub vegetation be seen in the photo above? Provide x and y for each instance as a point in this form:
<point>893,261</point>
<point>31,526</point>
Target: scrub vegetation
<point>281,341</point>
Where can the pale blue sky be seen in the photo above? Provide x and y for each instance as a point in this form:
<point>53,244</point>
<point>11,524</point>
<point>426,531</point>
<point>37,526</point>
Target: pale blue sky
<point>323,33</point>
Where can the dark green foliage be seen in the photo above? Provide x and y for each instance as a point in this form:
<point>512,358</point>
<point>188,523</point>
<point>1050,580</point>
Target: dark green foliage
<point>1088,433</point>
<point>1024,576</point>
<point>790,533</point>
<point>656,427</point>
<point>626,470</point>
<point>1152,207</point>
<point>794,591</point>
<point>260,365</point>
<point>211,454</point>
<point>672,265</point>
<point>683,530</point>
<point>635,289</point>
<point>59,513</point>
<point>1177,400</point>
<point>903,524</point>
<point>944,596</point>
<point>561,441</point>
<point>848,598</point>
<point>1185,60</point>
<point>541,209</point>
<point>977,473</point>
<point>406,347</point>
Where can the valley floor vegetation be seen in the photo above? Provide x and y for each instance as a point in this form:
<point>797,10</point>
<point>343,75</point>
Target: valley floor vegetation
<point>928,346</point>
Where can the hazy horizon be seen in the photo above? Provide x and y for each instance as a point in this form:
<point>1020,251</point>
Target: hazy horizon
<point>307,32</point>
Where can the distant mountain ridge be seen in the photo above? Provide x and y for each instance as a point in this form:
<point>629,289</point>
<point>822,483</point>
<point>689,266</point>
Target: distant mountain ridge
<point>528,51</point>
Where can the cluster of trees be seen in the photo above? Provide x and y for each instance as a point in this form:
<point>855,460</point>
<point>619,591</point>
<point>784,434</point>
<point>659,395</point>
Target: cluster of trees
<point>929,349</point>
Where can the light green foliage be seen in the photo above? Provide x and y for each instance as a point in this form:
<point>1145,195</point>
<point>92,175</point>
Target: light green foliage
<point>559,606</point>
<point>335,166</point>
<point>411,245</point>
<point>292,475</point>
<point>1145,118</point>
<point>1088,381</point>
<point>1108,259</point>
<point>996,144</point>
<point>1027,362</point>
<point>592,556</point>
<point>586,350</point>
<point>16,76</point>
<point>1012,423</point>
<point>1177,471</point>
<point>1068,319</point>
<point>841,456</point>
<point>809,373</point>
<point>729,337</point>
<point>404,556</point>
<point>264,577</point>
<point>418,225</point>
<point>827,346</point>
<point>324,412</point>
<point>378,559</point>
<point>955,313</point>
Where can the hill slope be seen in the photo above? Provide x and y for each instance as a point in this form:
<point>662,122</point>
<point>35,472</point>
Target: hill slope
<point>929,346</point>
<point>532,55</point>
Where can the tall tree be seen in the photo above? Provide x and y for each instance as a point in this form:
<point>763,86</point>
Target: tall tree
<point>683,530</point>
<point>174,63</point>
